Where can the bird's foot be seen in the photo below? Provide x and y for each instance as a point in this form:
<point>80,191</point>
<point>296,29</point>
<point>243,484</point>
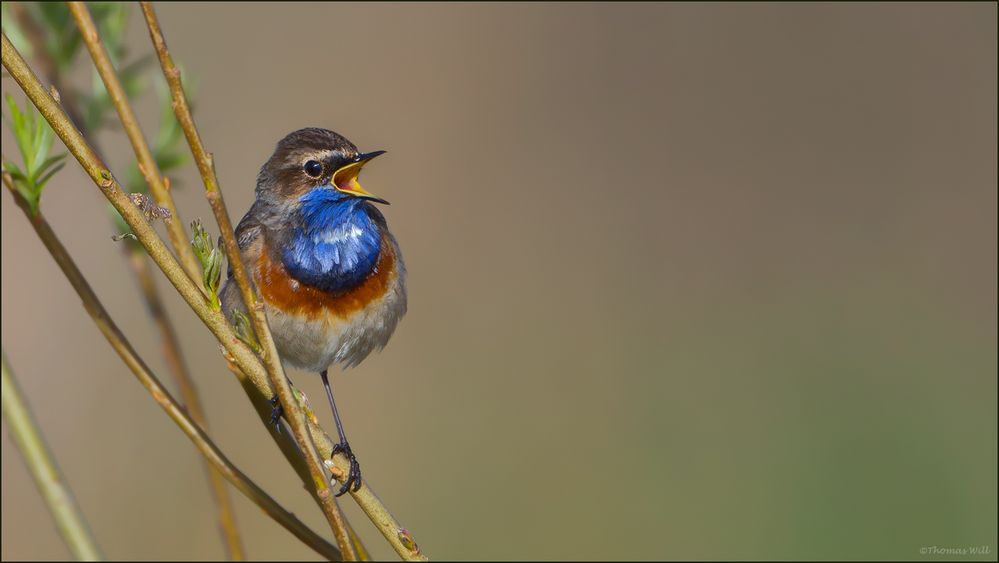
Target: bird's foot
<point>353,481</point>
<point>276,411</point>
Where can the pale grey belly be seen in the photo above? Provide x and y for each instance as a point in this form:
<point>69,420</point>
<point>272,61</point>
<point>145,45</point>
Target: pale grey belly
<point>317,344</point>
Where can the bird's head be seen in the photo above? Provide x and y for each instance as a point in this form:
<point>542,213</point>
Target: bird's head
<point>311,164</point>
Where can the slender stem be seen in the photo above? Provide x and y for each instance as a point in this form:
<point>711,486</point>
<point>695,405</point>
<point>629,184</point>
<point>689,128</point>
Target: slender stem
<point>399,538</point>
<point>188,392</point>
<point>178,239</point>
<point>159,393</point>
<point>147,163</point>
<point>102,177</point>
<point>50,70</point>
<point>355,540</point>
<point>140,269</point>
<point>289,448</point>
<point>256,384</point>
<point>271,359</point>
<point>49,481</point>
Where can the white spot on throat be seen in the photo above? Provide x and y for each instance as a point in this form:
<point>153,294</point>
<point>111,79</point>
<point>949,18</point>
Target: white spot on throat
<point>342,233</point>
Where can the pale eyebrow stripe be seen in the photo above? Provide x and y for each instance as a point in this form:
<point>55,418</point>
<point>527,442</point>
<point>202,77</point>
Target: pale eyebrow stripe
<point>301,158</point>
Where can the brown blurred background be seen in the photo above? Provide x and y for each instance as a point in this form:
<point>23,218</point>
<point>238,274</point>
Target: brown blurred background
<point>686,281</point>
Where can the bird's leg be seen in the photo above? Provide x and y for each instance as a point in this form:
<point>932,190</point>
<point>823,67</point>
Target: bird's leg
<point>276,411</point>
<point>354,475</point>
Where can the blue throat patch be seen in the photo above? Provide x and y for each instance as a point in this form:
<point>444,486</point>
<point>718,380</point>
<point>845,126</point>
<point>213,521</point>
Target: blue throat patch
<point>336,243</point>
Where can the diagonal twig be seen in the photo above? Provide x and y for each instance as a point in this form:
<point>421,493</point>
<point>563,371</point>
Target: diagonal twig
<point>178,239</point>
<point>147,162</point>
<point>256,381</point>
<point>140,269</point>
<point>41,463</point>
<point>178,369</point>
<point>271,359</point>
<point>152,384</point>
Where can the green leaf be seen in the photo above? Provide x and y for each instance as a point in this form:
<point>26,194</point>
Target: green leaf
<point>34,141</point>
<point>16,121</point>
<point>213,273</point>
<point>52,160</point>
<point>244,331</point>
<point>48,175</point>
<point>210,258</point>
<point>32,198</point>
<point>201,243</point>
<point>13,170</point>
<point>15,111</point>
<point>43,142</point>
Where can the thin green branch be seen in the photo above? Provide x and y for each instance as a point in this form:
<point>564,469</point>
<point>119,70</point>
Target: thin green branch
<point>289,447</point>
<point>271,359</point>
<point>137,262</point>
<point>178,239</point>
<point>152,384</point>
<point>192,402</point>
<point>55,491</point>
<point>256,381</point>
<point>50,69</point>
<point>132,215</point>
<point>147,162</point>
<point>400,539</point>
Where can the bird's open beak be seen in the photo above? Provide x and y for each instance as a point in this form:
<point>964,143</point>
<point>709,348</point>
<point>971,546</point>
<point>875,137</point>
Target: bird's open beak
<point>345,178</point>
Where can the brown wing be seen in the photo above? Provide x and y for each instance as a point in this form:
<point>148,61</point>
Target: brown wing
<point>249,236</point>
<point>247,232</point>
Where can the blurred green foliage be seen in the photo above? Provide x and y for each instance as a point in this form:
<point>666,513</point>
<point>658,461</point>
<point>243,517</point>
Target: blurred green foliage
<point>34,141</point>
<point>61,43</point>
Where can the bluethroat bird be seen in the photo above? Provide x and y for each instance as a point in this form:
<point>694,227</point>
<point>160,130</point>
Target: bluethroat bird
<point>326,267</point>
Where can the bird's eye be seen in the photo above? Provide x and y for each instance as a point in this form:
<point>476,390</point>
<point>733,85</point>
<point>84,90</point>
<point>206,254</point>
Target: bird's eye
<point>313,168</point>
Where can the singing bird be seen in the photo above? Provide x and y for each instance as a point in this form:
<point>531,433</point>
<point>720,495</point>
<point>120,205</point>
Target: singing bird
<point>326,267</point>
